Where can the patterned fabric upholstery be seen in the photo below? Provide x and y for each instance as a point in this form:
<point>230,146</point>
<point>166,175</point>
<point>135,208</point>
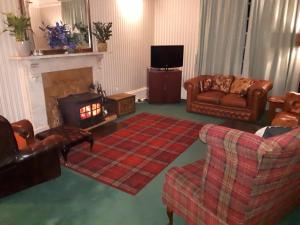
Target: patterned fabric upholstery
<point>241,85</point>
<point>245,179</point>
<point>205,85</point>
<point>222,83</point>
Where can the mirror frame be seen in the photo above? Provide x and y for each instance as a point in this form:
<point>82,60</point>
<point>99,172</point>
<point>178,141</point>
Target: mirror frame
<point>22,4</point>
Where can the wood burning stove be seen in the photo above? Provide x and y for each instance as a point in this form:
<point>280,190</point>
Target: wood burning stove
<point>81,110</point>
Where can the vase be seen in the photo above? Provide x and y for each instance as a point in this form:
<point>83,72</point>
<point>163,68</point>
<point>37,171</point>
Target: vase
<point>102,47</point>
<point>23,48</point>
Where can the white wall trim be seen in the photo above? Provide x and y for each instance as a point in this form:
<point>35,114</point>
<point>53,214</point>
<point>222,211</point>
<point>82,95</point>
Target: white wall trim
<point>140,93</point>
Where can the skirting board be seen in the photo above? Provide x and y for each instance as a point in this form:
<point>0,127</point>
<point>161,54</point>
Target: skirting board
<point>142,93</point>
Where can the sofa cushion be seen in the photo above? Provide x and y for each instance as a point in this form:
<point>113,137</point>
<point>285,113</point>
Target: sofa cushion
<point>240,85</point>
<point>222,83</point>
<point>210,96</point>
<point>234,100</point>
<point>205,85</point>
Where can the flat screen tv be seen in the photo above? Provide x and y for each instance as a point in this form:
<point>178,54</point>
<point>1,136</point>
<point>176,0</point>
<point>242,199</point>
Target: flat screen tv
<point>166,56</point>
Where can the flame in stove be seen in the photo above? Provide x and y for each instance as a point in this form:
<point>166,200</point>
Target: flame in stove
<point>90,111</point>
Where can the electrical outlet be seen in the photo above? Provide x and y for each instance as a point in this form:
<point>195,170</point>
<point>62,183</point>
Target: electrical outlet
<point>116,89</point>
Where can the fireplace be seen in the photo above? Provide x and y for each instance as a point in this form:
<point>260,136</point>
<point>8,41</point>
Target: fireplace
<point>81,110</point>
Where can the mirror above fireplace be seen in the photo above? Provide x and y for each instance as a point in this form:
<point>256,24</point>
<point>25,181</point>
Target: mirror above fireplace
<point>74,13</point>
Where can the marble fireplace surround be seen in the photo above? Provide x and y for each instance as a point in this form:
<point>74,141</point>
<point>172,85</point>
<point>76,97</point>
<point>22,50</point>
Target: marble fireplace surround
<point>35,69</point>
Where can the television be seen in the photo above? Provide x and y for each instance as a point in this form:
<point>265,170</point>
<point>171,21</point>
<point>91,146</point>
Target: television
<point>166,56</point>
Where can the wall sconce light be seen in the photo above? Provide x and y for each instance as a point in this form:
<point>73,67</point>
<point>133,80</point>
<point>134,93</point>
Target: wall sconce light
<point>298,39</point>
<point>131,9</point>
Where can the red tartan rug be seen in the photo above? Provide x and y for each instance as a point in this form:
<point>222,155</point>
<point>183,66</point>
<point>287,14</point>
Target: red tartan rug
<point>131,157</point>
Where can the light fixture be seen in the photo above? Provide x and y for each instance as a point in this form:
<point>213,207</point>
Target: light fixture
<point>131,9</point>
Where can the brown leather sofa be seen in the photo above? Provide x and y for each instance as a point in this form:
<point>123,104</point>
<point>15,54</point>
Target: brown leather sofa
<point>36,162</point>
<point>290,116</point>
<point>247,105</point>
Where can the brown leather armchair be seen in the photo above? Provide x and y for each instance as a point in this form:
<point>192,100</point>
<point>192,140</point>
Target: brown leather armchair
<point>290,116</point>
<point>34,164</point>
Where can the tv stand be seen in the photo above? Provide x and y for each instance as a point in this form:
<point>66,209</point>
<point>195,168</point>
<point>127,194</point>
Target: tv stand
<point>164,86</point>
<point>163,69</point>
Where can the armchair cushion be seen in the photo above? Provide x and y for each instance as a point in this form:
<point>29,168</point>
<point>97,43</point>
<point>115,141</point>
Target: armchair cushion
<point>274,131</point>
<point>20,141</point>
<point>222,83</point>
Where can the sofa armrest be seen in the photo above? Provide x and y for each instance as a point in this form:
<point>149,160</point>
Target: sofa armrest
<point>261,85</point>
<point>25,129</point>
<point>257,97</point>
<point>192,88</point>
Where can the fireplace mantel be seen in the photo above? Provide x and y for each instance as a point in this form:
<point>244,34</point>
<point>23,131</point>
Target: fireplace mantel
<point>30,75</point>
<point>50,63</point>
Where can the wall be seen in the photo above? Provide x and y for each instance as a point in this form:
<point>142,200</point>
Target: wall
<point>123,69</point>
<point>177,22</point>
<point>125,64</point>
<point>51,14</point>
<point>38,35</point>
<point>11,102</point>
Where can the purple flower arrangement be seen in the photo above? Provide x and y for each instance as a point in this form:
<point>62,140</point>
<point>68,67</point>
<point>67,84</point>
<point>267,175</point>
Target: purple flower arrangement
<point>60,36</point>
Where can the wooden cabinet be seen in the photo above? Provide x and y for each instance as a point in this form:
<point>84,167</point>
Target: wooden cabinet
<point>164,86</point>
<point>121,104</point>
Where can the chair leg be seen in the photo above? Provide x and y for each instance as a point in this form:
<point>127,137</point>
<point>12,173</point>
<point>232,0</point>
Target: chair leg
<point>91,141</point>
<point>65,155</point>
<point>170,216</point>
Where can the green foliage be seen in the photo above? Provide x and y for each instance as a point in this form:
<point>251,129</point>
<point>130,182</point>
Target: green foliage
<point>17,26</point>
<point>102,31</point>
<point>83,32</point>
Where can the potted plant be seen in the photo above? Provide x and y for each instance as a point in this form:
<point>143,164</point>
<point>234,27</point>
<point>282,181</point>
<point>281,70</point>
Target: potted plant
<point>102,31</point>
<point>18,26</point>
<point>60,36</point>
<point>81,31</point>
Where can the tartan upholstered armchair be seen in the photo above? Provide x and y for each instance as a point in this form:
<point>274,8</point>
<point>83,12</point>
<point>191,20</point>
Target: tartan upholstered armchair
<point>245,179</point>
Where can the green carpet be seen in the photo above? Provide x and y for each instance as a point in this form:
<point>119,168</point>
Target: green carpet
<point>78,200</point>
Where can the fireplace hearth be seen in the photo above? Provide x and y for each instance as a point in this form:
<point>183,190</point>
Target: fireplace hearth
<point>81,110</point>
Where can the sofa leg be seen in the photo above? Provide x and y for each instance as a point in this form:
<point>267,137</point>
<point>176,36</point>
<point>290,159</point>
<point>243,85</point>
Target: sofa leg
<point>170,216</point>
